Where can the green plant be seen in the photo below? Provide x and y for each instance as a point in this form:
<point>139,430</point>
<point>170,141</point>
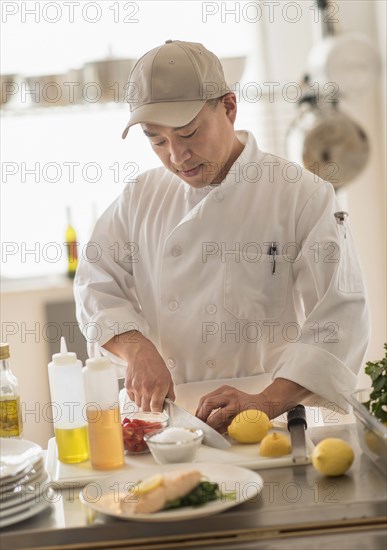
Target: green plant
<point>377,403</point>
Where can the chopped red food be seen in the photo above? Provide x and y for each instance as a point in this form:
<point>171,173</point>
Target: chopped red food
<point>134,431</point>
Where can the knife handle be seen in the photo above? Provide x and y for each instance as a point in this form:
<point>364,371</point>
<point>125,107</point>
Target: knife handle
<point>297,416</point>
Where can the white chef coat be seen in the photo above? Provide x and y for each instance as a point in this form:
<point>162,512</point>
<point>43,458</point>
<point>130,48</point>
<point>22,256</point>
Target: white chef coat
<point>191,270</point>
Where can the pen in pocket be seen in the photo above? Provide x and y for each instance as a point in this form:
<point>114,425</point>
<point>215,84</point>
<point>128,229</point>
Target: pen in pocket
<point>341,218</point>
<point>273,254</point>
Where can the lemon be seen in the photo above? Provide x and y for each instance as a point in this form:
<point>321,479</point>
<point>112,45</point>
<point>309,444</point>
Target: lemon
<point>374,442</point>
<point>332,456</point>
<point>249,426</point>
<point>274,445</point>
<point>149,484</point>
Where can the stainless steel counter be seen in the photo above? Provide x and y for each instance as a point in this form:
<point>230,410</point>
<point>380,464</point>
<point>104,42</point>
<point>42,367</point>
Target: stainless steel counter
<point>298,508</point>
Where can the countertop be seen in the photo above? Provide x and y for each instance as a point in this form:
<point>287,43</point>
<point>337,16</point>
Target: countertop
<point>36,284</point>
<point>298,508</point>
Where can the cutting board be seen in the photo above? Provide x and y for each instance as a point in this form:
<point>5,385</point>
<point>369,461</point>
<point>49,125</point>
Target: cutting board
<point>63,475</point>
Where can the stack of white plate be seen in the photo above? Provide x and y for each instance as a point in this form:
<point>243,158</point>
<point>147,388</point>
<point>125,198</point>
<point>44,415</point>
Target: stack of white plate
<point>24,482</point>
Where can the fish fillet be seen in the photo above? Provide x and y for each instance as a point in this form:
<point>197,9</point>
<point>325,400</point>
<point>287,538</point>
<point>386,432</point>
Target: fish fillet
<point>173,486</point>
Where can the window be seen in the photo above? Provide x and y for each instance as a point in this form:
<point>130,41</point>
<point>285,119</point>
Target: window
<point>74,156</point>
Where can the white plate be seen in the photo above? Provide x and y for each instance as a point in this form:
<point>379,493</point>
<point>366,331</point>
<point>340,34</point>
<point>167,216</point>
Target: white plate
<point>16,455</point>
<point>28,476</point>
<point>24,514</point>
<point>23,505</point>
<point>103,496</point>
<point>28,503</point>
<point>28,492</point>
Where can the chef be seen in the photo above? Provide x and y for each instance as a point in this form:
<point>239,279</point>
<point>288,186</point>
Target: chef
<point>226,266</point>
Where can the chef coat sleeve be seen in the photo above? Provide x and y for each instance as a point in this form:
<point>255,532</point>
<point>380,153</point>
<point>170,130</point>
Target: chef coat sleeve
<point>104,286</point>
<point>329,284</point>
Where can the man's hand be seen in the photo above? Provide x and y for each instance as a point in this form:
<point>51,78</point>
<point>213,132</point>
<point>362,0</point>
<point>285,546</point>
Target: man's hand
<point>219,407</point>
<point>148,381</point>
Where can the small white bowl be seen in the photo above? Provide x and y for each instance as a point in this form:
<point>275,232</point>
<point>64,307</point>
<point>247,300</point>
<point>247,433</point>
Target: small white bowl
<point>168,452</point>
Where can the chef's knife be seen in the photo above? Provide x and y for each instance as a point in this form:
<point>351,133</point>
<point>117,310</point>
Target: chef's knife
<point>297,426</point>
<point>180,417</point>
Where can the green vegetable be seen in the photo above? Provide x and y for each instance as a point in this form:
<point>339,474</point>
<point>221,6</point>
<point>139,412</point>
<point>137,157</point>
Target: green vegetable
<point>377,403</point>
<point>203,493</point>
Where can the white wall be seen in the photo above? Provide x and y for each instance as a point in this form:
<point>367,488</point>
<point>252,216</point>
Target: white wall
<point>24,326</point>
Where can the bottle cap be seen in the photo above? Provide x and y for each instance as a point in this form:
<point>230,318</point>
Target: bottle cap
<point>68,212</point>
<point>64,357</point>
<point>98,363</point>
<point>4,350</point>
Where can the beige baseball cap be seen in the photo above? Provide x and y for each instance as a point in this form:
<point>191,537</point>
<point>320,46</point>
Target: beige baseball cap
<point>170,84</point>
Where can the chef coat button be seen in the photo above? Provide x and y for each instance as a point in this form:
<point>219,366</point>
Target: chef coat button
<point>211,363</point>
<point>176,251</point>
<point>173,305</point>
<point>171,362</point>
<point>218,196</point>
<point>211,308</point>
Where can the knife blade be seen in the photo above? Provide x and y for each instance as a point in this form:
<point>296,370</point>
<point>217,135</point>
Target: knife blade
<point>180,417</point>
<point>297,425</point>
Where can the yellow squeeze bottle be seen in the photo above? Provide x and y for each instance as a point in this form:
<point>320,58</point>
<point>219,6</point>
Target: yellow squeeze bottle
<point>103,414</point>
<point>68,406</point>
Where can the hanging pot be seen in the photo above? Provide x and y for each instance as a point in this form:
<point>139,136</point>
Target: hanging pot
<point>347,61</point>
<point>8,85</point>
<point>233,68</point>
<point>323,139</point>
<point>327,142</point>
<point>55,90</point>
<point>109,77</point>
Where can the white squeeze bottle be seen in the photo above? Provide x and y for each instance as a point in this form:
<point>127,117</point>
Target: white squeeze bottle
<point>68,406</point>
<point>103,414</point>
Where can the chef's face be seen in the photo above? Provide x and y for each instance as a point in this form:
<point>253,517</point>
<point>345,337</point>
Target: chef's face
<point>203,151</point>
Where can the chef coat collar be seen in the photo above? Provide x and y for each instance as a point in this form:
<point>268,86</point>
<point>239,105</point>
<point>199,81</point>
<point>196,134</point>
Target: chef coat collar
<point>249,154</point>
